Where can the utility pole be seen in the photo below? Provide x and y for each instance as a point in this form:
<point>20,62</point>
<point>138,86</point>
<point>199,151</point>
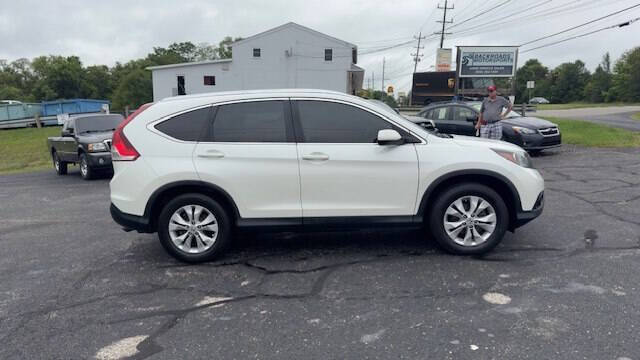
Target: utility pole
<point>373,80</point>
<point>417,55</point>
<point>444,21</point>
<point>383,61</point>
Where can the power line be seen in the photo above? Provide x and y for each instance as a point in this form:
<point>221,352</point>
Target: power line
<point>505,16</point>
<point>581,25</point>
<point>480,14</point>
<point>626,23</point>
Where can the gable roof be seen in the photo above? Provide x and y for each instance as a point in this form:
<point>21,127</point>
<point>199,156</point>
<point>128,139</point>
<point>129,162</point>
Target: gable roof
<point>296,26</point>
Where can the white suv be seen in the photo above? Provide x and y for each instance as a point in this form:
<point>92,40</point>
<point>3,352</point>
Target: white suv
<point>195,168</point>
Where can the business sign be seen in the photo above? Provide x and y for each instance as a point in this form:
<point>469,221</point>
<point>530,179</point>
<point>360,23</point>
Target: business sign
<point>487,61</point>
<point>443,60</point>
<point>531,84</point>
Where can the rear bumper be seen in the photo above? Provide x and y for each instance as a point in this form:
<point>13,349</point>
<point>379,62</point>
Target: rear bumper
<point>130,222</point>
<point>523,217</point>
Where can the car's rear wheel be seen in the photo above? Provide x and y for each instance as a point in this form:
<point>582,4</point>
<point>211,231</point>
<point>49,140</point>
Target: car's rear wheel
<point>194,228</point>
<point>59,165</point>
<point>469,219</point>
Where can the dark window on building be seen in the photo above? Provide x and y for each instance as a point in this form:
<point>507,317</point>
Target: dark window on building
<point>328,122</point>
<point>189,126</point>
<point>209,80</point>
<point>256,52</point>
<point>181,90</point>
<point>260,121</point>
<point>354,55</point>
<point>328,54</point>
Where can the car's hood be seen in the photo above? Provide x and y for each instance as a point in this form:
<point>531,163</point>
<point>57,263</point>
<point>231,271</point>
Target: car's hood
<point>486,143</point>
<point>95,137</point>
<point>528,122</point>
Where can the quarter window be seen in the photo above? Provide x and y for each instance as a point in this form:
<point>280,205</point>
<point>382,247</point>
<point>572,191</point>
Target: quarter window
<point>189,126</point>
<point>328,122</point>
<point>260,121</point>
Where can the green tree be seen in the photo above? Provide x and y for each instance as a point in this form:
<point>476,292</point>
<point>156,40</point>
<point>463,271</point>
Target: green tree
<point>626,77</point>
<point>99,79</point>
<point>59,77</point>
<point>568,82</point>
<point>532,70</point>
<point>133,90</point>
<point>597,89</point>
<point>205,51</point>
<point>224,47</point>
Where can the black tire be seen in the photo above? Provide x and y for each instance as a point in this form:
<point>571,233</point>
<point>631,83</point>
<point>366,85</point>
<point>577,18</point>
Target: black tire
<point>59,165</point>
<point>437,215</point>
<point>86,171</point>
<point>222,218</point>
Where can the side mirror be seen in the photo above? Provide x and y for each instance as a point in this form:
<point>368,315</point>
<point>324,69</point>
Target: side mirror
<point>389,137</point>
<point>428,124</point>
<point>472,118</point>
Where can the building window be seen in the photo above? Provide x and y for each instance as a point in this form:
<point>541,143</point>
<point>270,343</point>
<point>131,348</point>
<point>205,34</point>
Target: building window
<point>328,54</point>
<point>209,80</point>
<point>256,52</point>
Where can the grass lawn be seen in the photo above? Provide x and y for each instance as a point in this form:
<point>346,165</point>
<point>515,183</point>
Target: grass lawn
<point>595,135</point>
<point>636,116</point>
<point>579,105</point>
<point>25,150</point>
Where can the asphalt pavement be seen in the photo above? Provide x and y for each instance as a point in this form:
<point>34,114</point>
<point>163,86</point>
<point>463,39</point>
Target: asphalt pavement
<point>616,116</point>
<point>74,286</point>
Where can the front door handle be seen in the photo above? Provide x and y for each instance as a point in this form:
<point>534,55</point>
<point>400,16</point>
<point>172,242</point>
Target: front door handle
<point>212,154</point>
<point>317,156</point>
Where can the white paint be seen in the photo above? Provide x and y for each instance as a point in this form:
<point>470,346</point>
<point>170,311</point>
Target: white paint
<point>313,321</point>
<point>245,283</point>
<point>455,342</point>
<point>504,276</point>
<point>618,293</point>
<point>369,338</point>
<point>482,330</point>
<point>209,300</point>
<point>574,287</point>
<point>474,347</point>
<point>121,348</point>
<point>496,298</point>
<point>291,56</point>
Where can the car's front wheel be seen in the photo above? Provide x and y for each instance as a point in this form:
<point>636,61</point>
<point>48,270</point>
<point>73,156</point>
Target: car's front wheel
<point>469,219</point>
<point>85,170</point>
<point>194,228</point>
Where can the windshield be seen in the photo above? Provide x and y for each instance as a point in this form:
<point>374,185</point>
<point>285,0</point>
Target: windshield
<point>511,114</point>
<point>98,123</point>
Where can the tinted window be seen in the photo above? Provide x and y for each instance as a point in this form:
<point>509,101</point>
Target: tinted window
<point>260,121</point>
<point>188,126</point>
<point>439,113</point>
<point>327,122</point>
<point>462,113</point>
<point>98,123</point>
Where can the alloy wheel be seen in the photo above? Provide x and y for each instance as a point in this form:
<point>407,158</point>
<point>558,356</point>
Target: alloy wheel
<point>470,220</point>
<point>193,229</point>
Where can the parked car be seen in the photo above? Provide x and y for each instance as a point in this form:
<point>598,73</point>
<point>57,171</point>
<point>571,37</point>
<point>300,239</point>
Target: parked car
<point>531,133</point>
<point>84,140</point>
<point>538,100</point>
<point>196,168</point>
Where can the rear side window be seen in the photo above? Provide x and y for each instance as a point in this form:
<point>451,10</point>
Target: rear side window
<point>189,126</point>
<point>259,121</point>
<point>328,122</point>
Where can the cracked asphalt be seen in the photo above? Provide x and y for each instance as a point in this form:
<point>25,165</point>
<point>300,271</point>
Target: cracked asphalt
<point>74,286</point>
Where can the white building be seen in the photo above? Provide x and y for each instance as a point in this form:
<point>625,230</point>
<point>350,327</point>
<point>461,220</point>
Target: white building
<point>288,56</point>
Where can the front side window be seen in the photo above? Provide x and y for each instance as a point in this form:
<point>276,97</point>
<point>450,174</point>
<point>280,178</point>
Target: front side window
<point>259,121</point>
<point>328,54</point>
<point>256,52</point>
<point>329,122</point>
<point>439,113</point>
<point>189,126</point>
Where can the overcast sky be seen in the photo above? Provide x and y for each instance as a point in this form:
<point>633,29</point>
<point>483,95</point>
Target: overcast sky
<point>103,32</point>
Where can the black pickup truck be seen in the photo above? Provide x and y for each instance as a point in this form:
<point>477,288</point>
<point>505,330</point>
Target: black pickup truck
<point>84,140</point>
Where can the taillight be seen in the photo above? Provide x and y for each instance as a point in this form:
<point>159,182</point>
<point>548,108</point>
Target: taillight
<point>121,148</point>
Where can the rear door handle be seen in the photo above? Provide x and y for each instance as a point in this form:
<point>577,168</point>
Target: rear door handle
<point>316,156</point>
<point>212,154</point>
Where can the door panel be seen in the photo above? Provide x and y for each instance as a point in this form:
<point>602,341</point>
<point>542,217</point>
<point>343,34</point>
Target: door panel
<point>343,171</point>
<point>440,116</point>
<point>358,179</point>
<point>459,115</point>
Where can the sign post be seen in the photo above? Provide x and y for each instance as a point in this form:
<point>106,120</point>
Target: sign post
<point>530,85</point>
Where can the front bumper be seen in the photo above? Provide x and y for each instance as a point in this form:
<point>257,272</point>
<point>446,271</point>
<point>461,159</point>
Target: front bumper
<point>130,222</point>
<point>539,142</point>
<point>99,159</point>
<point>523,217</point>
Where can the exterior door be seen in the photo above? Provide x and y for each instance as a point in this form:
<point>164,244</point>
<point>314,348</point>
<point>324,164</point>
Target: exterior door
<point>441,118</point>
<point>460,116</point>
<point>250,152</point>
<point>343,171</point>
<point>68,143</point>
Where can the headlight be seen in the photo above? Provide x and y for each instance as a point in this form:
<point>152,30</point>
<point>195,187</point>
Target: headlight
<point>518,158</point>
<point>522,130</point>
<point>95,147</point>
